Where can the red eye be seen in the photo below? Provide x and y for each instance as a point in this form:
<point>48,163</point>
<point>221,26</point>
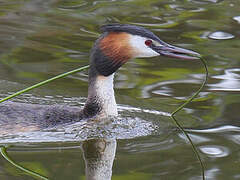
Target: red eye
<point>148,42</point>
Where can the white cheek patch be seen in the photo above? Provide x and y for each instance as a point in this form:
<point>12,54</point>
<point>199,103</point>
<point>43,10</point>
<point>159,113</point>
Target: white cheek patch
<point>139,47</point>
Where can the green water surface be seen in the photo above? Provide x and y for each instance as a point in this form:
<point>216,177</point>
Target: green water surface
<point>42,38</point>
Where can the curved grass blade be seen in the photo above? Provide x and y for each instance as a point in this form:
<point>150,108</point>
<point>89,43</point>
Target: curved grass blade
<point>198,91</point>
<point>179,125</point>
<point>44,82</point>
<point>29,172</point>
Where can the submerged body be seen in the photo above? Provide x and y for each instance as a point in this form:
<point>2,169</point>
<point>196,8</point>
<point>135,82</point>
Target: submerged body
<point>118,44</point>
<point>22,117</point>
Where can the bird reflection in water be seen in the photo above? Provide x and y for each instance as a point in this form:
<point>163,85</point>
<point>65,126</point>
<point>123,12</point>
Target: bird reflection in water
<point>99,156</point>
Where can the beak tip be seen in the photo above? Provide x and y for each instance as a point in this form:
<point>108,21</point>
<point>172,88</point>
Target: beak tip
<point>180,53</point>
<point>195,55</point>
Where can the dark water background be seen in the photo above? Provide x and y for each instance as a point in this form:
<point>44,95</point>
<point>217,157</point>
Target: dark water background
<point>43,38</point>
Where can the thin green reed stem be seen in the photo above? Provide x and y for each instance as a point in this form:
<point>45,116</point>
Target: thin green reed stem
<point>199,90</point>
<point>29,172</point>
<point>44,82</point>
<point>181,128</point>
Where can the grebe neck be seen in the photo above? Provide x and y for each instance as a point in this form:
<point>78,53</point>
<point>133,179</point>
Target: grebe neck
<point>101,100</point>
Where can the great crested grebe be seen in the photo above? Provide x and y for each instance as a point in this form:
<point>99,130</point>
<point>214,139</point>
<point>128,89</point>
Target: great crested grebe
<point>118,44</point>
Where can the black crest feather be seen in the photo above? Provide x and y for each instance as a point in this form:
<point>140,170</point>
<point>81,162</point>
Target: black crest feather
<point>131,29</point>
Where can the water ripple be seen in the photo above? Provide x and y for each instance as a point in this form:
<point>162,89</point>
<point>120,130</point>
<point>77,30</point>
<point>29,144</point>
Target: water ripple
<point>214,151</point>
<point>229,81</point>
<point>147,90</point>
<point>220,129</point>
<point>73,7</point>
<point>183,8</point>
<point>135,109</point>
<point>235,138</point>
<point>237,18</point>
<point>220,35</point>
<point>207,1</point>
<point>121,128</point>
<point>195,138</point>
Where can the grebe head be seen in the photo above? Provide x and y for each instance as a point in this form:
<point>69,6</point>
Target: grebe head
<point>121,42</point>
<point>118,44</point>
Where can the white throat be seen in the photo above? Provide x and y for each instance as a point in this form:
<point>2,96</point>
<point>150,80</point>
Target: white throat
<point>102,90</point>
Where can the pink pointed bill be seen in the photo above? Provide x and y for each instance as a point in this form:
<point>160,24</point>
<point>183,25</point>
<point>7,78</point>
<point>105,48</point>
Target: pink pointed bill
<point>176,52</point>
